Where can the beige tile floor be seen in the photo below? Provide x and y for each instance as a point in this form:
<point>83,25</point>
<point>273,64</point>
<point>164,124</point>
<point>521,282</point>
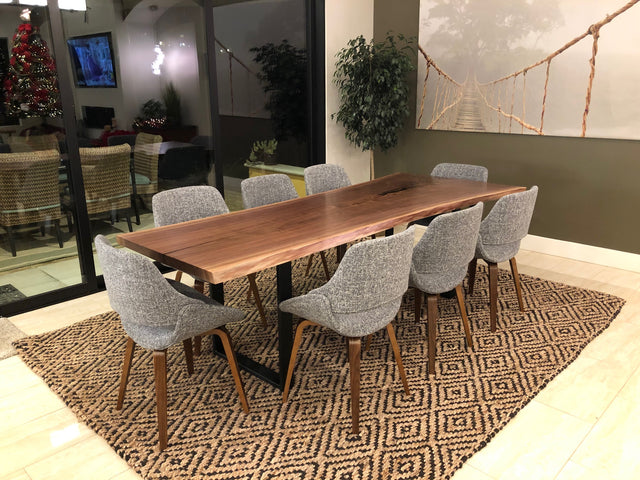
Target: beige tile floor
<point>584,425</point>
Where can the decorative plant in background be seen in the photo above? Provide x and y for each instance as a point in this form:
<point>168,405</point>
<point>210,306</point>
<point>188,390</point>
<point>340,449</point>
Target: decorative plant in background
<point>153,114</point>
<point>374,94</point>
<point>171,99</point>
<point>284,78</point>
<point>31,84</point>
<point>264,151</point>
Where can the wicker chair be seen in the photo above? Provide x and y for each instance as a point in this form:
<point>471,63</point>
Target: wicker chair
<point>34,143</point>
<point>29,191</point>
<point>145,160</point>
<point>105,171</point>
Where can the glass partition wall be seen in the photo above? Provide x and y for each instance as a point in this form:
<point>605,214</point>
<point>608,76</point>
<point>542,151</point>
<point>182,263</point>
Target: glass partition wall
<point>106,102</point>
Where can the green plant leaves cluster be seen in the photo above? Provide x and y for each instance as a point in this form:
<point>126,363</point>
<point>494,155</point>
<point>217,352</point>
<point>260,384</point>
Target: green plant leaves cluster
<point>374,95</point>
<point>284,78</point>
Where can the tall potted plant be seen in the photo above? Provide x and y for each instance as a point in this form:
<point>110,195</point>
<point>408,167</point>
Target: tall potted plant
<point>374,95</point>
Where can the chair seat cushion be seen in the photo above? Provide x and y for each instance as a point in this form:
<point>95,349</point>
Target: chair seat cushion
<point>142,179</point>
<point>317,308</point>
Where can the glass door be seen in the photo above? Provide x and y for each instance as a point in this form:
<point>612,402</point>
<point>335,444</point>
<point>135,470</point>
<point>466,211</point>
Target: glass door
<point>38,245</point>
<point>264,94</point>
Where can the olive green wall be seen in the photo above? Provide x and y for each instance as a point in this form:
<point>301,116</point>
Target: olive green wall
<point>588,187</point>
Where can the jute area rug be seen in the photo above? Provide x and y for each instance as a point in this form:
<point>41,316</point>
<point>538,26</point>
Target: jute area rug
<point>427,435</point>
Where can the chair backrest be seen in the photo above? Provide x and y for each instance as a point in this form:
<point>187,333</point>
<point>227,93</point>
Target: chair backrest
<point>106,176</point>
<point>187,203</point>
<point>325,177</point>
<point>461,170</point>
<point>441,257</point>
<point>267,189</point>
<point>145,154</point>
<point>137,290</point>
<point>371,273</point>
<point>121,139</point>
<point>33,143</point>
<point>29,189</point>
<point>506,225</point>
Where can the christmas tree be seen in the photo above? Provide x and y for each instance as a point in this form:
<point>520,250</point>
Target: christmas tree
<point>31,84</point>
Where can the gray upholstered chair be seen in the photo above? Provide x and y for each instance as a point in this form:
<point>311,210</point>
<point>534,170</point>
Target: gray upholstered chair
<point>257,192</point>
<point>322,178</point>
<point>461,170</point>
<point>192,203</point>
<point>267,189</point>
<point>439,264</point>
<point>362,297</point>
<point>500,234</point>
<point>157,313</point>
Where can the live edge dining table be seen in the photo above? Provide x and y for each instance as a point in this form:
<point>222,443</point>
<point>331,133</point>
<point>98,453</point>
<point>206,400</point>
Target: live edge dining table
<point>221,248</point>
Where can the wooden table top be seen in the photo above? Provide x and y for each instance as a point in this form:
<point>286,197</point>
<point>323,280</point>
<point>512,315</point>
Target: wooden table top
<point>220,248</point>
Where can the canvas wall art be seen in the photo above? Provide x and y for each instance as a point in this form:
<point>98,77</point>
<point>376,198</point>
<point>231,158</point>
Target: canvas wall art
<point>543,67</point>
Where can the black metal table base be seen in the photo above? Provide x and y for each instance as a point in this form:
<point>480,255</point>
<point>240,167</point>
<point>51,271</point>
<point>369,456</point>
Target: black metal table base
<point>285,333</point>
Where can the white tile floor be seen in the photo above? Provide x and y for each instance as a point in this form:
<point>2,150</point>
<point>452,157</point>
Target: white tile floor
<point>584,425</point>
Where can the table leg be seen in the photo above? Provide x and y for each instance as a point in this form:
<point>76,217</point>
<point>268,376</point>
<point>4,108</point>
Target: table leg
<point>285,333</point>
<point>285,320</point>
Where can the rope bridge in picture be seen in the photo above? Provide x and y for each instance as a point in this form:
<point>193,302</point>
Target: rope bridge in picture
<point>473,105</point>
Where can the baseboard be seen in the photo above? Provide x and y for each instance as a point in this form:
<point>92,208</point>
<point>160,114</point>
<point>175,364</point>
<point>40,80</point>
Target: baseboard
<point>584,253</point>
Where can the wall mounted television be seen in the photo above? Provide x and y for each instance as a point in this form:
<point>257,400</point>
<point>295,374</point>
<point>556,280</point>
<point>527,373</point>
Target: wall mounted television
<point>92,60</point>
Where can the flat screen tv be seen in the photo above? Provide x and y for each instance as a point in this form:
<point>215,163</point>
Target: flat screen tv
<point>92,60</point>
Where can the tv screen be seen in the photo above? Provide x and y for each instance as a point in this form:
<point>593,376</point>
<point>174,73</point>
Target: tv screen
<point>92,60</point>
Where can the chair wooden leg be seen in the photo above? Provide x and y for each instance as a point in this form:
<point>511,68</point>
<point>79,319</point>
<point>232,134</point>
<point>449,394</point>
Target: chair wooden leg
<point>353,344</point>
<point>309,262</point>
<point>472,274</point>
<point>432,327</point>
<point>292,360</point>
<point>160,370</point>
<point>323,257</point>
<point>516,282</point>
<point>367,344</point>
<point>463,314</point>
<point>178,276</point>
<point>417,295</point>
<point>256,295</point>
<point>493,295</point>
<point>227,344</point>
<point>126,368</point>
<point>188,354</point>
<point>396,354</point>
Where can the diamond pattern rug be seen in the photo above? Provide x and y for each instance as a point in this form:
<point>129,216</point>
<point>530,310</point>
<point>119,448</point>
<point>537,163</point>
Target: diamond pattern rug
<point>427,435</point>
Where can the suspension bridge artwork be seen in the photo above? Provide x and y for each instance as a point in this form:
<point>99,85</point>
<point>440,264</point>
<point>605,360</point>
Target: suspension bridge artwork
<point>539,67</point>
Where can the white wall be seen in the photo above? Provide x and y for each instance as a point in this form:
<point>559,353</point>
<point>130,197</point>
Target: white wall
<point>344,20</point>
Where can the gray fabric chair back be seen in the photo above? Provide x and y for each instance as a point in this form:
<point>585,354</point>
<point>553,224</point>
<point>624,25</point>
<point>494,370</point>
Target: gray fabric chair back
<point>136,289</point>
<point>187,203</point>
<point>371,274</point>
<point>325,177</point>
<point>441,257</point>
<point>267,189</point>
<point>506,225</point>
<point>461,170</point>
